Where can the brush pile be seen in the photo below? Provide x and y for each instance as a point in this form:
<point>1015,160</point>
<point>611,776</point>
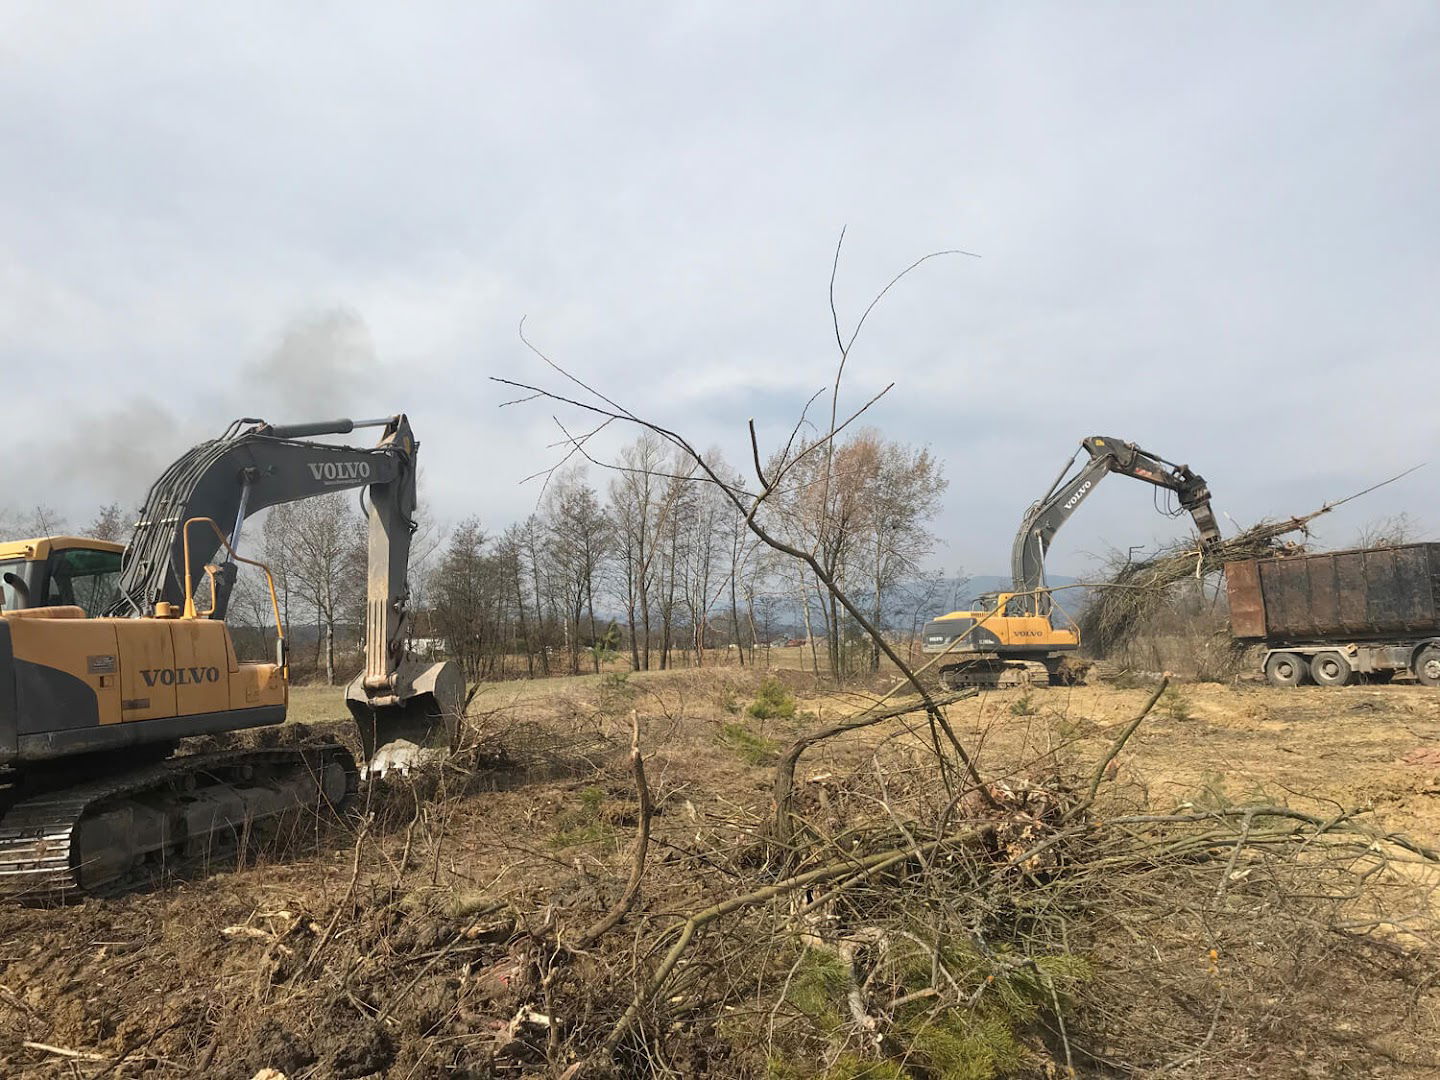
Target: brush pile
<point>1123,604</point>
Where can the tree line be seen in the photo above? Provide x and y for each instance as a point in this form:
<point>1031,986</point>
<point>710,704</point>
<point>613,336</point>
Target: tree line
<point>640,561</point>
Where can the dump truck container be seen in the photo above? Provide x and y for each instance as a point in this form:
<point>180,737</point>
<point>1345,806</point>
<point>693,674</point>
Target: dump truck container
<point>1334,615</point>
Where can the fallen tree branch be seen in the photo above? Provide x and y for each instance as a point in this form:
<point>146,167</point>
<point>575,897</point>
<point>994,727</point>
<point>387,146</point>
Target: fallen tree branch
<point>642,843</point>
<point>860,868</point>
<point>784,785</point>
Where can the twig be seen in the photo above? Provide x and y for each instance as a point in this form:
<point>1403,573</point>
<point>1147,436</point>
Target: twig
<point>325,937</point>
<point>784,783</point>
<point>65,1052</point>
<point>1113,752</point>
<point>861,868</point>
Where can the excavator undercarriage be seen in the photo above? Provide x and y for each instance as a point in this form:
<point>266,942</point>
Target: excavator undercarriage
<point>169,817</point>
<point>997,673</point>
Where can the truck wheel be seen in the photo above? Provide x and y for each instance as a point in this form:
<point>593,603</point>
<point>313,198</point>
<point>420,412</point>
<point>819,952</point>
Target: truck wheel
<point>1427,666</point>
<point>1285,669</point>
<point>1330,669</point>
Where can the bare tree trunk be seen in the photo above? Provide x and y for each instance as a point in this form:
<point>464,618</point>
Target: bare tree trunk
<point>809,630</point>
<point>735,619</point>
<point>594,643</point>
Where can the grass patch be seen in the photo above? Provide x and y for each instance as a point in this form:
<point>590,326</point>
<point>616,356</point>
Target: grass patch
<point>581,824</point>
<point>753,749</point>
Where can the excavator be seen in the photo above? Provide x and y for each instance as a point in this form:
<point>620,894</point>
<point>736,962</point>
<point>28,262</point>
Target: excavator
<point>110,655</point>
<point>1013,638</point>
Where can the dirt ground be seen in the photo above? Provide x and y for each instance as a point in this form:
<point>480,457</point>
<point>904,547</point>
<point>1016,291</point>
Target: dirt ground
<point>219,975</point>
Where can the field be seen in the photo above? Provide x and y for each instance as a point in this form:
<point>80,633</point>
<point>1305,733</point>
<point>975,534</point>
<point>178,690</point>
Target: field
<point>387,945</point>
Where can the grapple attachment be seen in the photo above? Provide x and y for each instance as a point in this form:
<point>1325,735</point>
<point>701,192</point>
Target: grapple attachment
<point>409,718</point>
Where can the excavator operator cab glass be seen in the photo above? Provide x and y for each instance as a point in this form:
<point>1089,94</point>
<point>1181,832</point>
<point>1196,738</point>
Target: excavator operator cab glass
<point>13,592</point>
<point>85,578</point>
<point>76,576</point>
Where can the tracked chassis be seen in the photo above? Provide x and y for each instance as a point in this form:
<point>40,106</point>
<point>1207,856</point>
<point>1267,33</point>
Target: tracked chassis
<point>97,836</point>
<point>995,673</point>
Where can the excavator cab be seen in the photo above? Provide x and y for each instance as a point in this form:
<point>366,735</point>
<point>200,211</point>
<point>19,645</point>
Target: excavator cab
<point>60,571</point>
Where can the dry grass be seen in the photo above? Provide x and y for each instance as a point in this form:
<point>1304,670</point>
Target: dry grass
<point>1216,945</point>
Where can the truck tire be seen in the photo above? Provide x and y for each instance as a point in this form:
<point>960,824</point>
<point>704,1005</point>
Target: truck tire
<point>1330,669</point>
<point>1427,665</point>
<point>1285,669</point>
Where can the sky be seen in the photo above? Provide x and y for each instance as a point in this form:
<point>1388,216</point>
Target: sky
<point>1213,230</point>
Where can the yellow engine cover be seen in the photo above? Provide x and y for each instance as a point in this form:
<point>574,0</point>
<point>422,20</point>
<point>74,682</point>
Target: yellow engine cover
<point>133,669</point>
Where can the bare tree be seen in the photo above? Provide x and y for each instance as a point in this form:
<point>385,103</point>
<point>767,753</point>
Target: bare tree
<point>1401,528</point>
<point>641,506</point>
<point>772,477</point>
<point>109,523</point>
<point>464,598</point>
<point>317,545</point>
<point>577,546</point>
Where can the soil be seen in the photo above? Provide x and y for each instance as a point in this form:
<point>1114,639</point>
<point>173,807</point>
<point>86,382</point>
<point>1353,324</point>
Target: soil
<point>221,975</point>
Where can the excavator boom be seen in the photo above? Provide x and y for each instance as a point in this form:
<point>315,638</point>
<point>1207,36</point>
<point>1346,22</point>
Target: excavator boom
<point>401,707</point>
<point>1070,489</point>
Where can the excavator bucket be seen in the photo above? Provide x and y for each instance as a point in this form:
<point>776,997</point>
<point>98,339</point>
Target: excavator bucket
<point>412,722</point>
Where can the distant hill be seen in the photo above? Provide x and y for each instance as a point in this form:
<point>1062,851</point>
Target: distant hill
<point>959,594</point>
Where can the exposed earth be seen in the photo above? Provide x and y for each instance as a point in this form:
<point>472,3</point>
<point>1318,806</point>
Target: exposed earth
<point>374,948</point>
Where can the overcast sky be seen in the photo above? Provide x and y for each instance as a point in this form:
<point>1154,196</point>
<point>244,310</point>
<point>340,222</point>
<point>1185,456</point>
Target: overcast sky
<point>1211,229</point>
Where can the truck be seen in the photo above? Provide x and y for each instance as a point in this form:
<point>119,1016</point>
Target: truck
<point>1335,617</point>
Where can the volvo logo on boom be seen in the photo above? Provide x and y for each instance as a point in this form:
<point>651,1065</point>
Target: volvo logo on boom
<point>180,676</point>
<point>1070,503</point>
<point>339,472</point>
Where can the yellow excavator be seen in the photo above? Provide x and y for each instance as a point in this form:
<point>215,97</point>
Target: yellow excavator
<point>1021,636</point>
<point>110,655</point>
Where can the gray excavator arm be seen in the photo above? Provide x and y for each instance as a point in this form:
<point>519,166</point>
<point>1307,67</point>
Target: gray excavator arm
<point>1070,489</point>
<point>401,707</point>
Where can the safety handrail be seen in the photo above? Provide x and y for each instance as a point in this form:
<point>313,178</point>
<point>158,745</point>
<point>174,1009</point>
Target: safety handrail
<point>190,610</point>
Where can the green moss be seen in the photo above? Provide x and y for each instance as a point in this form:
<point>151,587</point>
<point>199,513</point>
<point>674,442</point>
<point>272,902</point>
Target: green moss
<point>960,1047</point>
<point>817,987</point>
<point>854,1067</point>
<point>782,1069</point>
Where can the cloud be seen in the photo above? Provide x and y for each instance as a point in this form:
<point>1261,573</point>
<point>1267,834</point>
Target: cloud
<point>1210,232</point>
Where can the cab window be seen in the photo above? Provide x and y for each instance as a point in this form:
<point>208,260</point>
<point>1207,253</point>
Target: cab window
<point>84,577</point>
<point>10,599</point>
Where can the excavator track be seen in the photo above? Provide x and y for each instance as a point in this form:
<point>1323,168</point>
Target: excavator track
<point>66,842</point>
<point>994,674</point>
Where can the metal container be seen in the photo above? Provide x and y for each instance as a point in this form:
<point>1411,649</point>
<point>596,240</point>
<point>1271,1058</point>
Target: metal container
<point>1368,593</point>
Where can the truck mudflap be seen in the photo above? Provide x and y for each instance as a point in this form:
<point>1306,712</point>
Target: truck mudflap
<point>411,721</point>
